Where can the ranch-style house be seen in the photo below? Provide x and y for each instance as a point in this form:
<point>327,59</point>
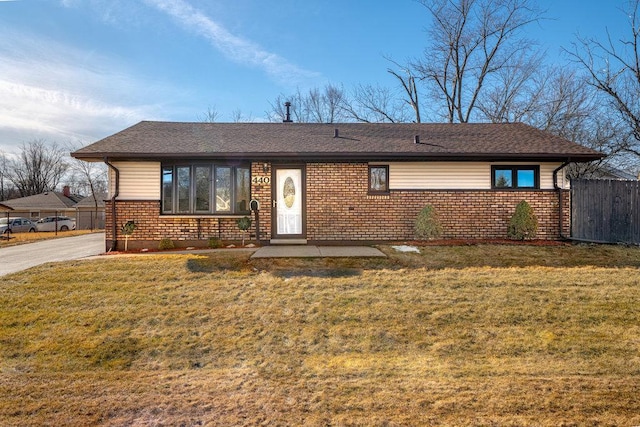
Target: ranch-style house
<point>330,183</point>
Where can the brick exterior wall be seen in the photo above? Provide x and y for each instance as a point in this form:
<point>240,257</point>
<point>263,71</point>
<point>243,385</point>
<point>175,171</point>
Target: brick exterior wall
<point>151,227</point>
<point>261,192</point>
<point>339,208</point>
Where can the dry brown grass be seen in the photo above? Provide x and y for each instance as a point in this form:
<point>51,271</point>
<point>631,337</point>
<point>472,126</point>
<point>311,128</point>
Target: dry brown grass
<point>220,340</point>
<point>21,238</point>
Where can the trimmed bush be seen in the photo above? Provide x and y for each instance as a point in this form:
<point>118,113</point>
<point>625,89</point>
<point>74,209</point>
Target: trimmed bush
<point>127,230</point>
<point>244,224</point>
<point>215,243</point>
<point>166,243</point>
<point>524,223</point>
<point>428,223</point>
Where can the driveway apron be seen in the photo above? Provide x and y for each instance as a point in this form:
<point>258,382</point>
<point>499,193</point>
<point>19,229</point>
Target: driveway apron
<point>22,257</point>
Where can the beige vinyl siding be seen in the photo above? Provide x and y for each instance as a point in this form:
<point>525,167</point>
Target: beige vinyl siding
<point>138,180</point>
<point>457,175</point>
<point>546,176</point>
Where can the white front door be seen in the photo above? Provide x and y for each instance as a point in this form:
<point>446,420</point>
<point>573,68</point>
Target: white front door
<point>289,202</point>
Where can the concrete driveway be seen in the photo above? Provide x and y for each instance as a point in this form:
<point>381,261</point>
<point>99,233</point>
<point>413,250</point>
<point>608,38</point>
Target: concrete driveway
<point>21,257</point>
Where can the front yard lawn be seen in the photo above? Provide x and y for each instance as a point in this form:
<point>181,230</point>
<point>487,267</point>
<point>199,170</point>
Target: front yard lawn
<point>470,335</point>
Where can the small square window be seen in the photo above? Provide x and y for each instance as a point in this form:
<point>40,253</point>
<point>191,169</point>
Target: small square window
<point>378,179</point>
<point>526,178</point>
<point>503,178</point>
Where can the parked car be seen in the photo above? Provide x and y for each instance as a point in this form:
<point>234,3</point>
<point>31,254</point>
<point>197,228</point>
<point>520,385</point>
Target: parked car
<point>16,225</point>
<point>49,223</point>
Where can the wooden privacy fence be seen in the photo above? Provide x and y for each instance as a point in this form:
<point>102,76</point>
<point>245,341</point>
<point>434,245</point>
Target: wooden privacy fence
<point>604,210</point>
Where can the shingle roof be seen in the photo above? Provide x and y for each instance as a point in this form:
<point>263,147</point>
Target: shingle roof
<point>48,200</point>
<point>318,141</point>
<point>89,202</point>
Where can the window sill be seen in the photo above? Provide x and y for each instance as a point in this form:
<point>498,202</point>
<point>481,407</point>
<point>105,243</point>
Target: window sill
<point>374,196</point>
<point>515,189</point>
<point>205,216</point>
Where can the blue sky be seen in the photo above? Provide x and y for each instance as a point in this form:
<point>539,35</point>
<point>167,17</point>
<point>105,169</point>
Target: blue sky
<point>79,70</point>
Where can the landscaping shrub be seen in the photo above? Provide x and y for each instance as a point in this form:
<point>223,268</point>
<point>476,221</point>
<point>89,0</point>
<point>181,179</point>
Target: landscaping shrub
<point>523,224</point>
<point>166,243</point>
<point>215,243</point>
<point>428,223</point>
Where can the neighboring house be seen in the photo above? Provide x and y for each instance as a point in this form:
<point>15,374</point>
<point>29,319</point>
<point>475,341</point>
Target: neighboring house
<point>5,211</point>
<point>54,203</point>
<point>331,183</point>
<point>51,203</point>
<point>609,172</point>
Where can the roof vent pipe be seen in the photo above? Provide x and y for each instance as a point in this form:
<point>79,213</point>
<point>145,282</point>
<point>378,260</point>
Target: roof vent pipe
<point>417,139</point>
<point>335,133</point>
<point>287,118</point>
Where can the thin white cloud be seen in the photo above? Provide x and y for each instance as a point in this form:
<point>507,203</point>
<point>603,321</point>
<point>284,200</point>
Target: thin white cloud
<point>51,91</point>
<point>233,47</point>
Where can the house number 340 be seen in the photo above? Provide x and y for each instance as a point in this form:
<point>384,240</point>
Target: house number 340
<point>261,180</point>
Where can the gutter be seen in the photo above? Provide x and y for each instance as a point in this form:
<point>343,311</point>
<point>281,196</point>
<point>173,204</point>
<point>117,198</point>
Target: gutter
<point>560,198</point>
<point>114,222</point>
<point>341,156</point>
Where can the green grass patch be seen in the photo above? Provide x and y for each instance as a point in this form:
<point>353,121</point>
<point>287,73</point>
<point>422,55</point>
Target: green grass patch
<point>221,340</point>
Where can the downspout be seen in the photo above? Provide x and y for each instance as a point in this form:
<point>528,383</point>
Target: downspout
<point>557,187</point>
<point>560,198</point>
<point>116,192</point>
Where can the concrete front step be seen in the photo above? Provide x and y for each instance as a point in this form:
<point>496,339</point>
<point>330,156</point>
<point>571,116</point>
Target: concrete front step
<point>294,251</point>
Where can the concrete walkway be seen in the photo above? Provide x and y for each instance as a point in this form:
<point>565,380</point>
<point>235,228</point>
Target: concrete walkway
<point>303,251</point>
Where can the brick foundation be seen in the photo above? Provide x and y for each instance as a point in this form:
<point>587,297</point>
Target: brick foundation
<point>339,208</point>
<point>151,227</point>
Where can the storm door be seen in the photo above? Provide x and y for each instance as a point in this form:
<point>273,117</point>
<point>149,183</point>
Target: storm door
<point>288,202</point>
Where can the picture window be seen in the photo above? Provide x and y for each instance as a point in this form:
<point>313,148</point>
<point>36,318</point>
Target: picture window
<point>205,189</point>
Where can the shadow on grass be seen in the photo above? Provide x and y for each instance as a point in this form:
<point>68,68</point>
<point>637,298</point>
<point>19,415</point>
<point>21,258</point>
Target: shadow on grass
<point>430,257</point>
<point>321,273</point>
<point>234,261</point>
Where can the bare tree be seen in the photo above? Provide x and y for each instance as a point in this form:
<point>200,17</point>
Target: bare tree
<point>517,91</point>
<point>377,104</point>
<point>410,89</point>
<point>88,178</point>
<point>471,40</point>
<point>4,177</point>
<point>237,116</point>
<point>209,116</point>
<point>326,105</point>
<point>39,168</point>
<point>613,68</point>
